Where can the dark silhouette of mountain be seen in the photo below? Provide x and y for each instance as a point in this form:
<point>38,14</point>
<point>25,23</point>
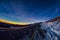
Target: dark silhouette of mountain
<point>21,34</point>
<point>3,24</point>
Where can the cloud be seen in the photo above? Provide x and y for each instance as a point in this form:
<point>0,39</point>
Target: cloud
<point>24,19</point>
<point>21,15</point>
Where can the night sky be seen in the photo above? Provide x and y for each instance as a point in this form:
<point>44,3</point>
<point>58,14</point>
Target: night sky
<point>29,10</point>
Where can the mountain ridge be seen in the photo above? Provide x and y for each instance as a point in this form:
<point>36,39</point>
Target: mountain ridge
<point>54,19</point>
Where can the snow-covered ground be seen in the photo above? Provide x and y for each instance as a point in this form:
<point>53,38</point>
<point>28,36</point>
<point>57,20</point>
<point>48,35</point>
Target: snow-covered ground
<point>53,30</point>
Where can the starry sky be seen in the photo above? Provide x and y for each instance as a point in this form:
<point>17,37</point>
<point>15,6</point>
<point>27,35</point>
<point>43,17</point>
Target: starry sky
<point>29,10</point>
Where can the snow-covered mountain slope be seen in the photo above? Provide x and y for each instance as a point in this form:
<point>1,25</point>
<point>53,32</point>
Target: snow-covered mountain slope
<point>49,30</point>
<point>53,29</point>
